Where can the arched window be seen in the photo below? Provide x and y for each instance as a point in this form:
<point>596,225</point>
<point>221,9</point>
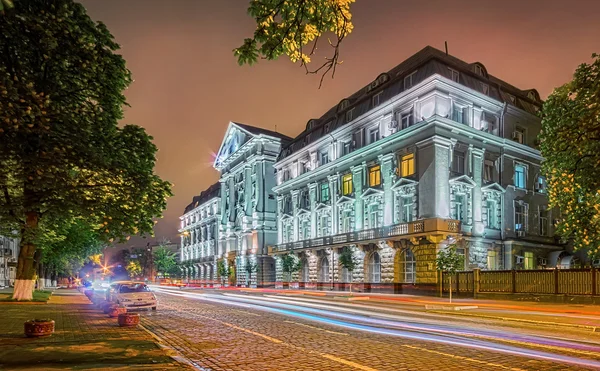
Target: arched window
<point>323,275</point>
<point>346,276</point>
<point>407,267</point>
<point>305,276</point>
<point>374,268</point>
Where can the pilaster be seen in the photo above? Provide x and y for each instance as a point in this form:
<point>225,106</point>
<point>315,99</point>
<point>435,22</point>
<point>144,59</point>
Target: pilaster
<point>434,174</point>
<point>357,184</point>
<point>477,157</point>
<point>295,206</point>
<point>387,175</point>
<point>312,189</point>
<point>333,197</point>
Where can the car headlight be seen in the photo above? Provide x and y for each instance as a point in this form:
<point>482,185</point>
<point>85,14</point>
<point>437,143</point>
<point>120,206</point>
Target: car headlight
<point>126,300</point>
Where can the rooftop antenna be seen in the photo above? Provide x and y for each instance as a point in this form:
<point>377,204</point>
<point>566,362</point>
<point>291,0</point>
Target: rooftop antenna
<point>446,44</point>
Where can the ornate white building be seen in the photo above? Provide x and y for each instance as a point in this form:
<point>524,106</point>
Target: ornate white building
<point>433,150</point>
<point>9,253</point>
<point>235,221</point>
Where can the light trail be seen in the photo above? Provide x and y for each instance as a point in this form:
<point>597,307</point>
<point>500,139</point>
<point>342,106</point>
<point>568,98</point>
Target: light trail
<point>420,334</point>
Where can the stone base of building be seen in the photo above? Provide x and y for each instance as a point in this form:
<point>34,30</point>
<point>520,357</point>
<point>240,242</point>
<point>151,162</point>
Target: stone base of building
<point>376,288</point>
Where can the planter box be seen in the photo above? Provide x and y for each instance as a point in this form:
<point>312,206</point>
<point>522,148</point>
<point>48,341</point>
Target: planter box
<point>128,319</point>
<point>38,328</point>
<point>116,311</point>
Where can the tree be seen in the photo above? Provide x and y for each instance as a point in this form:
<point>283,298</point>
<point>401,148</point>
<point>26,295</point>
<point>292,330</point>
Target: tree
<point>347,260</point>
<point>164,259</point>
<point>290,264</point>
<point>294,28</point>
<point>134,269</point>
<point>450,261</point>
<point>222,270</point>
<point>570,144</point>
<point>62,153</point>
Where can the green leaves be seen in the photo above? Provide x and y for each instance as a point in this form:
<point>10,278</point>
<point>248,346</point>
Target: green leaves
<point>449,260</point>
<point>290,263</point>
<point>570,144</point>
<point>347,259</point>
<point>164,259</point>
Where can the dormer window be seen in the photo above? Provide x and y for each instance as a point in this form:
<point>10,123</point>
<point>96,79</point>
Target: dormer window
<point>409,80</point>
<point>310,125</point>
<point>377,99</point>
<point>485,88</point>
<point>454,75</point>
<point>350,115</point>
<point>345,103</point>
<point>512,98</point>
<point>479,70</point>
<point>531,95</point>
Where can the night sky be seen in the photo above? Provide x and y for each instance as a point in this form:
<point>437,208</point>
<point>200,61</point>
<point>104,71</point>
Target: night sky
<point>188,85</point>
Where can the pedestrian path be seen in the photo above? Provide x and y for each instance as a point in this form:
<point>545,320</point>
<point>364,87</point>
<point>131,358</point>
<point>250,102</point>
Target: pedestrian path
<point>84,338</point>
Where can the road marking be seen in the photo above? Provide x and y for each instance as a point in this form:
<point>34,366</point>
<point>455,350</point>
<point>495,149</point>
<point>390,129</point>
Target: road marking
<point>317,328</point>
<point>463,358</point>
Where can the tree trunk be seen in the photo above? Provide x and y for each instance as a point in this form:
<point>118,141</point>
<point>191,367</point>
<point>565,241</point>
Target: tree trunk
<point>450,277</point>
<point>41,276</point>
<point>25,279</point>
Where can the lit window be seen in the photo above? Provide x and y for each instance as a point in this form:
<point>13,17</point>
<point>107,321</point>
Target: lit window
<point>528,264</point>
<point>373,135</point>
<point>374,176</point>
<point>409,80</point>
<point>454,75</point>
<point>485,88</point>
<point>347,184</point>
<point>540,184</point>
<point>377,99</point>
<point>350,115</point>
<point>324,192</point>
<point>406,119</point>
<point>407,165</point>
<point>324,158</point>
<point>520,171</point>
<point>492,260</point>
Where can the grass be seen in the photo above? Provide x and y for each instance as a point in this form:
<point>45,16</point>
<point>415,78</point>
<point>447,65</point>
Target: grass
<point>38,296</point>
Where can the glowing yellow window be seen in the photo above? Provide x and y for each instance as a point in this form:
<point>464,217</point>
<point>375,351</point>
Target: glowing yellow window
<point>347,184</point>
<point>374,176</point>
<point>407,165</point>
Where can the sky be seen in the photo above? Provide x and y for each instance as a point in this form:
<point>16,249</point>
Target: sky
<point>188,86</point>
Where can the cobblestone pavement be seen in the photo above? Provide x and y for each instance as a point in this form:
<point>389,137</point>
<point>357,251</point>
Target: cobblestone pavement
<point>219,336</point>
<point>84,338</point>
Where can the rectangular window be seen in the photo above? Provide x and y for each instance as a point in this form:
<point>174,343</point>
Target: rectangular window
<point>521,217</point>
<point>528,263</point>
<point>347,184</point>
<point>305,229</point>
<point>409,80</point>
<point>374,216</point>
<point>346,148</point>
<point>492,260</point>
<point>324,192</point>
<point>350,115</point>
<point>458,209</point>
<point>377,99</point>
<point>454,75</point>
<point>519,135</point>
<point>489,123</point>
<point>324,225</point>
<point>520,173</point>
<point>458,162</point>
<point>540,184</point>
<point>458,114</point>
<point>374,176</point>
<point>407,165</point>
<point>324,158</point>
<point>407,209</point>
<point>346,221</point>
<point>543,222</point>
<point>303,167</point>
<point>373,135</point>
<point>488,171</point>
<point>491,213</point>
<point>406,119</point>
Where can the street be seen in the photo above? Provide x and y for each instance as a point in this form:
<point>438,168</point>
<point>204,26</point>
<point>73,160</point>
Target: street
<point>237,330</point>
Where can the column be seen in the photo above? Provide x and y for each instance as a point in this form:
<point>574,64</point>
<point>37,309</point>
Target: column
<point>260,185</point>
<point>295,208</point>
<point>333,196</point>
<point>312,189</point>
<point>279,215</point>
<point>223,200</point>
<point>248,190</point>
<point>387,175</point>
<point>232,200</point>
<point>434,175</point>
<point>477,157</point>
<point>357,183</point>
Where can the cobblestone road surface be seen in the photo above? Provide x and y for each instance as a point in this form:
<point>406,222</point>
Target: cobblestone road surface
<point>216,336</point>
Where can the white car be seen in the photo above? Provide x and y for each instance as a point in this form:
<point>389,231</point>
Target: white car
<point>135,295</point>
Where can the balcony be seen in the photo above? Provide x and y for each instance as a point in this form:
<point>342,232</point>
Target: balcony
<point>417,228</point>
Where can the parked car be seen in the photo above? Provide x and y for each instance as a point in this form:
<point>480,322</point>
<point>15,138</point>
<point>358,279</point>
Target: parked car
<point>114,288</point>
<point>134,295</point>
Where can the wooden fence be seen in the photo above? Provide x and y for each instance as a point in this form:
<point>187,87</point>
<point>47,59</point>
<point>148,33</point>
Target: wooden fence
<point>540,281</point>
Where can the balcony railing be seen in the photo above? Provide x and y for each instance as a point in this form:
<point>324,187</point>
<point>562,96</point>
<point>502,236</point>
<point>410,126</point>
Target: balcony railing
<point>411,228</point>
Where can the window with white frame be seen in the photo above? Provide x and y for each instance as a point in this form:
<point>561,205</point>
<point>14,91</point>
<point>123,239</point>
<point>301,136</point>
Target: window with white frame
<point>373,135</point>
<point>346,148</point>
<point>373,217</point>
<point>454,75</point>
<point>305,271</point>
<point>406,119</point>
<point>543,221</point>
<point>346,221</point>
<point>540,184</point>
<point>304,167</point>
<point>520,175</point>
<point>350,115</point>
<point>374,268</point>
<point>458,162</point>
<point>521,216</point>
<point>323,275</point>
<point>458,113</point>
<point>324,191</point>
<point>489,122</point>
<point>490,208</point>
<point>408,267</point>
<point>346,275</point>
<point>287,232</point>
<point>377,99</point>
<point>324,160</point>
<point>459,207</point>
<point>409,80</point>
<point>488,170</point>
<point>305,229</point>
<point>492,260</point>
<point>407,208</point>
<point>324,230</point>
<point>519,135</point>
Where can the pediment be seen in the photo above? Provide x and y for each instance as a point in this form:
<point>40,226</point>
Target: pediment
<point>321,206</point>
<point>463,179</point>
<point>494,187</point>
<point>285,216</point>
<point>303,211</point>
<point>372,191</point>
<point>235,137</point>
<point>345,199</point>
<point>404,182</point>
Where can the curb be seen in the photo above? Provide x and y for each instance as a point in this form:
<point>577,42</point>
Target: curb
<point>571,325</point>
<point>171,352</point>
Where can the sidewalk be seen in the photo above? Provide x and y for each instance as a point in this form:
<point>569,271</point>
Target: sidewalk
<point>84,338</point>
<point>584,317</point>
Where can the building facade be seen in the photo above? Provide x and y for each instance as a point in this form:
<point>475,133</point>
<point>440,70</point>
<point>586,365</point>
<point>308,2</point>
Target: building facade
<point>9,253</point>
<point>239,213</point>
<point>432,152</point>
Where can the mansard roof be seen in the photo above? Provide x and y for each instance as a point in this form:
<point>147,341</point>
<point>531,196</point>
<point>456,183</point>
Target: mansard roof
<point>426,62</point>
<point>257,131</point>
<point>206,195</point>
